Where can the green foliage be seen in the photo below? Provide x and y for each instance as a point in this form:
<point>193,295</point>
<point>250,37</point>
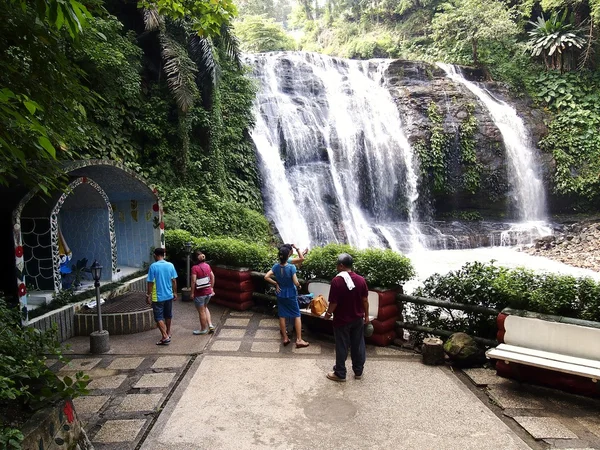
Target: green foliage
<point>227,251</point>
<point>26,383</point>
<point>11,438</point>
<point>556,40</point>
<point>433,152</point>
<point>262,34</point>
<point>573,133</point>
<point>470,23</point>
<point>210,216</point>
<point>497,287</point>
<point>207,16</point>
<point>471,176</point>
<point>381,268</point>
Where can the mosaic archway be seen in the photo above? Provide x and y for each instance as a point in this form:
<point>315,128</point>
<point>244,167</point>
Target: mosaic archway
<point>54,230</point>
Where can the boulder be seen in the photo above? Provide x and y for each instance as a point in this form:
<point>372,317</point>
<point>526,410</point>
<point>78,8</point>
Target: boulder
<point>463,350</point>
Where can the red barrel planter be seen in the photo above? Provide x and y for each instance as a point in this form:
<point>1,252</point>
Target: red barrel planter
<point>388,313</point>
<point>233,287</point>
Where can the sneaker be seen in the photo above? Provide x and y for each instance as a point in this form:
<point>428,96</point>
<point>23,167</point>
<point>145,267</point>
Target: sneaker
<point>211,329</point>
<point>198,332</point>
<point>332,376</point>
<point>358,377</point>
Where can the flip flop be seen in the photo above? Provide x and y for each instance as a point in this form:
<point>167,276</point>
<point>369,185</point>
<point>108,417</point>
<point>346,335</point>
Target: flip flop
<point>285,343</point>
<point>164,342</point>
<point>302,344</point>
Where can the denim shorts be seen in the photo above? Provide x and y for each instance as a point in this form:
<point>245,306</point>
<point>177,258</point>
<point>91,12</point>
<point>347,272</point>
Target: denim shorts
<point>162,310</point>
<point>202,300</point>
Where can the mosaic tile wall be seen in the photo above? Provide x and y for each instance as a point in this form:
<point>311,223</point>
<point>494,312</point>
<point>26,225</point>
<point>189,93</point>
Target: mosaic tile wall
<point>86,233</point>
<point>134,228</point>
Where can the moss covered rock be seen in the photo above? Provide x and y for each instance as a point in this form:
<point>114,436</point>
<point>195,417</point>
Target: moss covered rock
<point>463,350</point>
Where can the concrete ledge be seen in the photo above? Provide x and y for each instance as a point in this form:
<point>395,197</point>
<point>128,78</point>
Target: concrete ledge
<point>115,324</point>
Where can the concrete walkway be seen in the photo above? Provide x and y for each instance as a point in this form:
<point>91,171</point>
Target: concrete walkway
<point>240,388</point>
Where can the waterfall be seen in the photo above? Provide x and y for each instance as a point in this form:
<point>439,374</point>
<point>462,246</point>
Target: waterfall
<point>530,198</point>
<point>335,161</point>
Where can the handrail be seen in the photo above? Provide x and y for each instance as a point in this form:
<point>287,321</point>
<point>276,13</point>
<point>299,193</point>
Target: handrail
<point>444,333</point>
<point>446,304</point>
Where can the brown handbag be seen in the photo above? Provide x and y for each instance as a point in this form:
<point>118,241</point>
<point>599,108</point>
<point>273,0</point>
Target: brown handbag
<point>318,305</point>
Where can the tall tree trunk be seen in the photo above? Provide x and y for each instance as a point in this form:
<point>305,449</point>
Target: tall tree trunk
<point>307,9</point>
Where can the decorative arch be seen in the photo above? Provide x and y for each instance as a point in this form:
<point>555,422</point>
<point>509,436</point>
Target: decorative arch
<point>54,226</point>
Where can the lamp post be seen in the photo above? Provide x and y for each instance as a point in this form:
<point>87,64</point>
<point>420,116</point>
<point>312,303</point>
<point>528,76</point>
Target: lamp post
<point>99,340</point>
<point>186,293</point>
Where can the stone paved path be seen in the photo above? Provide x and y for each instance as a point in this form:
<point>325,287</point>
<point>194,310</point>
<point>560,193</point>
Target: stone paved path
<point>558,419</point>
<point>240,388</point>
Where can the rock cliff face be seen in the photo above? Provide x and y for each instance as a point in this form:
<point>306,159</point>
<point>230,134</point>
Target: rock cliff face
<point>416,87</point>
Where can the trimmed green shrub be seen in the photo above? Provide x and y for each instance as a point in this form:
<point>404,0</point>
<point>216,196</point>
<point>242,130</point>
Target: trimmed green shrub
<point>321,262</point>
<point>26,383</point>
<point>497,287</point>
<point>228,251</point>
<point>381,268</point>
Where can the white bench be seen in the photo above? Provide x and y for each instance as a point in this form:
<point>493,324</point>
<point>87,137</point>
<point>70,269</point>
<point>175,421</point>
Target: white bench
<point>551,350</point>
<point>320,288</point>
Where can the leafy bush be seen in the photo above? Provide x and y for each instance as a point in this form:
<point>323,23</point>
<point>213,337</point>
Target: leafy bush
<point>381,268</point>
<point>497,287</point>
<point>320,262</point>
<point>228,251</point>
<point>212,217</point>
<point>26,383</point>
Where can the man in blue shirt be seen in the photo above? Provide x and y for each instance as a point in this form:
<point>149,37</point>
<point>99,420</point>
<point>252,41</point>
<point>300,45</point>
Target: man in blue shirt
<point>162,290</point>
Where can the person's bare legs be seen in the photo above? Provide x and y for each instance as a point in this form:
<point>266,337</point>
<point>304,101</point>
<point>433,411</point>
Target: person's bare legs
<point>298,326</point>
<point>202,316</point>
<point>208,318</point>
<point>284,335</point>
<point>168,327</point>
<point>163,329</point>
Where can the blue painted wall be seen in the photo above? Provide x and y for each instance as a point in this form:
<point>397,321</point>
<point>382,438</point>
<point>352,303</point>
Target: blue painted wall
<point>86,233</point>
<point>135,232</point>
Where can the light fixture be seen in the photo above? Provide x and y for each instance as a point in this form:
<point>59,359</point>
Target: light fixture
<point>96,270</point>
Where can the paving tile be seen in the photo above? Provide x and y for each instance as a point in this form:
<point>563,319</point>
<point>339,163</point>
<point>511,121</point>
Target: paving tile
<point>269,323</point>
<point>89,404</point>
<point>591,423</point>
<point>241,314</point>
<point>139,402</point>
<point>236,322</point>
<point>50,362</point>
<point>81,364</point>
<point>483,377</point>
<point>508,398</point>
<point>545,427</point>
<point>119,431</point>
<point>225,346</point>
<point>107,382</point>
<point>266,347</point>
<point>267,334</point>
<point>125,363</point>
<point>167,362</point>
<point>155,380</point>
<point>313,349</point>
<point>388,351</point>
<point>231,333</point>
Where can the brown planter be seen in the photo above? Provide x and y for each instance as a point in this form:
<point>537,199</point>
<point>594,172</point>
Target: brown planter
<point>233,287</point>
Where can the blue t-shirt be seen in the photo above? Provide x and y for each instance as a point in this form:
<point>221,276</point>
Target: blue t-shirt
<point>161,273</point>
<point>284,276</point>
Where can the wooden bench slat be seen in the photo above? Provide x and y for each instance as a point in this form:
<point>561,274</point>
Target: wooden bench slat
<point>307,312</point>
<point>550,355</point>
<point>544,363</point>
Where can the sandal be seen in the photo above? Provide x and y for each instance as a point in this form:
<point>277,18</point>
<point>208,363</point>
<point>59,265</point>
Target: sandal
<point>164,342</point>
<point>285,343</point>
<point>302,344</point>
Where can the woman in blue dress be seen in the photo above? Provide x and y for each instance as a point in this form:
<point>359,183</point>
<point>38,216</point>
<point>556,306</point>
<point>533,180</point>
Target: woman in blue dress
<point>283,276</point>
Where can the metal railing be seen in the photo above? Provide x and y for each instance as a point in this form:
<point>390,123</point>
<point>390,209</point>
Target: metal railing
<point>446,305</point>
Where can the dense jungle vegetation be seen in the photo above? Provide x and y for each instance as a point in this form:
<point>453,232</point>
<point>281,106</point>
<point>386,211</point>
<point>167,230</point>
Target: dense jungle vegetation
<point>546,49</point>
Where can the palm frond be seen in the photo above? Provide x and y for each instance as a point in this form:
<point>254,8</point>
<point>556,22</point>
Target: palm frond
<point>180,71</point>
<point>152,20</point>
<point>202,53</point>
<point>230,44</point>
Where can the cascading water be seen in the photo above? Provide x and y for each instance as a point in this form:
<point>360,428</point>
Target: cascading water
<point>529,195</point>
<point>336,164</point>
